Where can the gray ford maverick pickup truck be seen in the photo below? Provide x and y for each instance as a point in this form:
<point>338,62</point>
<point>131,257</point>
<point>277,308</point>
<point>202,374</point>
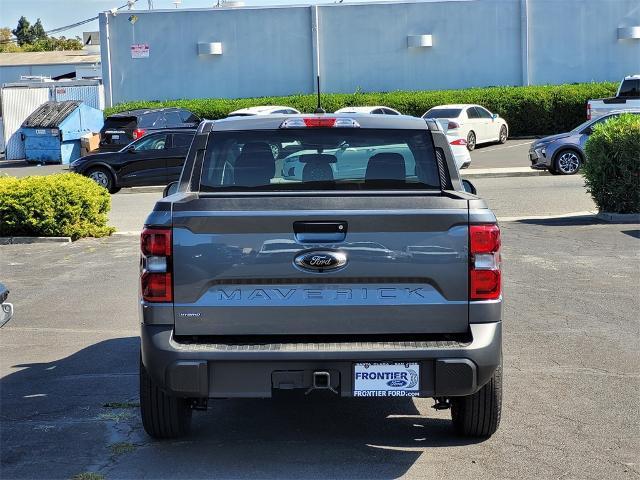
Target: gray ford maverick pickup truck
<point>367,269</point>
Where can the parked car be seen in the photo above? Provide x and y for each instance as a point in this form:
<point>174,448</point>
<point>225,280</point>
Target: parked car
<point>458,145</point>
<point>122,128</point>
<point>563,154</point>
<point>375,110</point>
<point>627,98</point>
<point>154,159</point>
<point>263,110</point>
<point>6,309</point>
<point>338,303</point>
<point>474,123</point>
<point>460,151</point>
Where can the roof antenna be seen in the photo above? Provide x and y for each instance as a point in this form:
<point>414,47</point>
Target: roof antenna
<point>319,108</point>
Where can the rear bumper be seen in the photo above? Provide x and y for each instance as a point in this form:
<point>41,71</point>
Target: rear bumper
<point>448,368</point>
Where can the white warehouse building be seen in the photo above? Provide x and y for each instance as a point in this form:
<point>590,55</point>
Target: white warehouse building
<point>381,46</point>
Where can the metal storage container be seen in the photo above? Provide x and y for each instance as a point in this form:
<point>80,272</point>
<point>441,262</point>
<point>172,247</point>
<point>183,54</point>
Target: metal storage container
<point>20,99</point>
<point>53,131</point>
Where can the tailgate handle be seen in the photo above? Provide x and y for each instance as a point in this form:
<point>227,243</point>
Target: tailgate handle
<point>320,232</point>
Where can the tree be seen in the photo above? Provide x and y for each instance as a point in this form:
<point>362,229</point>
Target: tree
<point>37,32</point>
<point>7,42</point>
<point>34,38</point>
<point>49,44</point>
<point>23,32</point>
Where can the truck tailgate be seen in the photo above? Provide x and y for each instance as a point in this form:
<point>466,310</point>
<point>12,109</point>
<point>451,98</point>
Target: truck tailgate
<point>406,271</point>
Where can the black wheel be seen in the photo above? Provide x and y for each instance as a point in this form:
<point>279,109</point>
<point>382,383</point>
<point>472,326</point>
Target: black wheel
<point>478,415</point>
<point>503,134</point>
<point>552,170</point>
<point>471,141</point>
<point>163,416</point>
<point>567,162</point>
<point>102,177</point>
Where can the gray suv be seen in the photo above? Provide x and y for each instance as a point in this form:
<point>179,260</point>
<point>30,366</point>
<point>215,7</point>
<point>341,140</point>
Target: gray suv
<point>362,276</point>
<point>563,154</point>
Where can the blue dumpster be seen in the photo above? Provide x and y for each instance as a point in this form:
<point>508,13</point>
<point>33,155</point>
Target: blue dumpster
<point>52,133</point>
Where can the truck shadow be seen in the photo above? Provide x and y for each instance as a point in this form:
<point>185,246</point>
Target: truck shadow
<point>80,414</point>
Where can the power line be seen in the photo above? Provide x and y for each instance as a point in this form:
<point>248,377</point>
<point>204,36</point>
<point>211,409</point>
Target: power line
<point>73,25</point>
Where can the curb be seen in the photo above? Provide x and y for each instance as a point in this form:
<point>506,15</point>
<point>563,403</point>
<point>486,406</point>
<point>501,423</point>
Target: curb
<point>27,240</point>
<point>619,217</point>
<point>130,190</point>
<point>502,172</point>
<point>559,216</point>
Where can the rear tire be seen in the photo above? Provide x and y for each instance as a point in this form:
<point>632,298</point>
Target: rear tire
<point>503,134</point>
<point>163,416</point>
<point>471,141</point>
<point>478,415</point>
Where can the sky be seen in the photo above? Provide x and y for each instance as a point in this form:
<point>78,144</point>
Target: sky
<point>58,13</point>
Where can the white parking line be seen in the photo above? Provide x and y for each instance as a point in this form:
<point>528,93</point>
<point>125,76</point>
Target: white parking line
<point>504,147</point>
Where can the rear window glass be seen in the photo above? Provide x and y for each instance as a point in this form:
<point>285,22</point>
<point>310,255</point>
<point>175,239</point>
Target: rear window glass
<point>443,113</point>
<point>120,123</point>
<point>630,88</point>
<point>320,159</point>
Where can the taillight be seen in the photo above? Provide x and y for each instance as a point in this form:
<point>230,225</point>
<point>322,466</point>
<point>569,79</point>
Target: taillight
<point>155,276</point>
<point>588,111</point>
<point>452,125</point>
<point>485,276</point>
<point>460,141</point>
<point>138,132</point>
<point>320,122</point>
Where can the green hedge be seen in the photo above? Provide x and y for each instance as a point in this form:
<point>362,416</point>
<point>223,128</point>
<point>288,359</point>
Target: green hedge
<point>612,169</point>
<point>534,110</point>
<point>65,205</point>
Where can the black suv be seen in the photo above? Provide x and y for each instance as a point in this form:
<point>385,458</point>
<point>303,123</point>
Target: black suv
<point>122,128</point>
<point>155,159</point>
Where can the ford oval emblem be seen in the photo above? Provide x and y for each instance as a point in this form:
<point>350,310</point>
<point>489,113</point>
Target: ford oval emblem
<point>320,260</point>
<point>397,383</point>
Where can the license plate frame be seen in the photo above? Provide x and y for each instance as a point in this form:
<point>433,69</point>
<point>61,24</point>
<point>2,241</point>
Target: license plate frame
<point>386,379</point>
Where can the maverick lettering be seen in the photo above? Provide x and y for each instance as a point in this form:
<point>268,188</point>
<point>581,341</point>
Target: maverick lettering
<point>326,294</point>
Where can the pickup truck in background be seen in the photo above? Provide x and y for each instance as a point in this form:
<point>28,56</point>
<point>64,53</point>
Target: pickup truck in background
<point>373,275</point>
<point>627,98</point>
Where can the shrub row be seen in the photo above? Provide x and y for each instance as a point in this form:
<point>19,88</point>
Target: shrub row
<point>65,205</point>
<point>535,110</point>
<point>612,169</point>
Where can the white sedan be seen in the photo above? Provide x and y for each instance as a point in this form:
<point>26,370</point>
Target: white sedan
<point>376,110</point>
<point>460,152</point>
<point>263,110</point>
<point>474,123</point>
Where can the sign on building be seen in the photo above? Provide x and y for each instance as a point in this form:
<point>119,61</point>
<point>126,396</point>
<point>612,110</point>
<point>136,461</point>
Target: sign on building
<point>140,50</point>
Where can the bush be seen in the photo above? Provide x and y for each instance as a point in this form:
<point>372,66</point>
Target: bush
<point>66,205</point>
<point>612,169</point>
<point>528,110</point>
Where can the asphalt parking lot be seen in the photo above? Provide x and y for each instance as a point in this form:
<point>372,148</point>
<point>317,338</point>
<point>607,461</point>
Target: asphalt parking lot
<point>514,153</point>
<point>508,197</point>
<point>68,386</point>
